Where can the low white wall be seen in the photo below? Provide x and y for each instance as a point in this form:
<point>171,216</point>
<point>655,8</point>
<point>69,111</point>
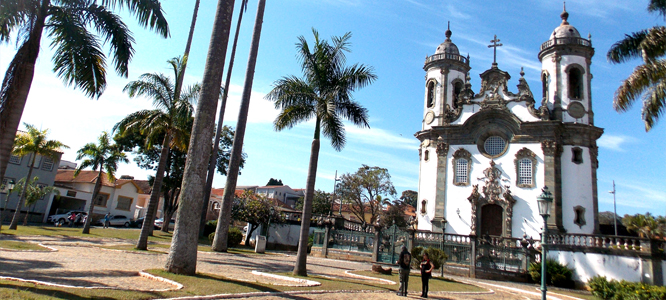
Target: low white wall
<point>285,234</point>
<point>588,265</point>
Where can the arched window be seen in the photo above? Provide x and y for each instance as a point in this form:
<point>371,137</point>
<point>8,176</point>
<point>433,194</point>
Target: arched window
<point>575,83</point>
<point>525,168</point>
<point>544,85</point>
<point>462,167</point>
<point>431,94</point>
<point>457,88</point>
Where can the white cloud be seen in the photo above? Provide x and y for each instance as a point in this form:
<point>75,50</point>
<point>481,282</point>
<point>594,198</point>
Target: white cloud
<point>380,137</point>
<point>615,142</point>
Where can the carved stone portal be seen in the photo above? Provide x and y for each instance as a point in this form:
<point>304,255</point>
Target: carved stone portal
<point>493,193</point>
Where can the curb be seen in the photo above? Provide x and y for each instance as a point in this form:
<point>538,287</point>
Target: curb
<point>50,249</point>
<point>177,286</point>
<point>391,282</point>
<point>301,282</point>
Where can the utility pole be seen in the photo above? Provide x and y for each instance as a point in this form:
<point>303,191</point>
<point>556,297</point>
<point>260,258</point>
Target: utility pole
<point>614,208</point>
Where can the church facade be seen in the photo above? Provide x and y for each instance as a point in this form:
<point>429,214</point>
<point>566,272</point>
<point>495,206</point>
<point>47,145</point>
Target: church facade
<point>486,156</point>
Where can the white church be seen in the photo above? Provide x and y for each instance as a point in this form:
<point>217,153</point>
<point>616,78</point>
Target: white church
<point>487,152</point>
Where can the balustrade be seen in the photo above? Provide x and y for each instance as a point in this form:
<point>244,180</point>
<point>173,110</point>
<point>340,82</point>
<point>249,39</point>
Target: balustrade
<point>566,41</point>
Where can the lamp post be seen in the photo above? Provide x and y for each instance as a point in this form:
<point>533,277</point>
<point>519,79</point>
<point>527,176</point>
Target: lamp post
<point>614,208</point>
<point>545,201</point>
<point>7,189</point>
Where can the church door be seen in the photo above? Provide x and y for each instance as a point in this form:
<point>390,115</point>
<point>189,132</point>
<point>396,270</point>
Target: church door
<point>491,220</point>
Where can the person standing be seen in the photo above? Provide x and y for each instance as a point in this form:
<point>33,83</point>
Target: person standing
<point>107,219</point>
<point>77,220</point>
<point>426,272</point>
<point>404,261</point>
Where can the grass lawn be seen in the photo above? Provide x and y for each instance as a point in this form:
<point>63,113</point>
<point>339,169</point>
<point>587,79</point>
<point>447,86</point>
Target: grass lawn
<point>17,245</point>
<point>126,234</point>
<point>581,295</point>
<point>163,248</point>
<point>436,283</point>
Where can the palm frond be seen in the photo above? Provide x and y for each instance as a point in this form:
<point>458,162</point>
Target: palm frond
<point>354,112</point>
<point>333,128</point>
<point>78,58</point>
<point>148,12</point>
<point>643,77</point>
<point>115,32</point>
<point>658,6</point>
<point>654,104</point>
<point>14,14</point>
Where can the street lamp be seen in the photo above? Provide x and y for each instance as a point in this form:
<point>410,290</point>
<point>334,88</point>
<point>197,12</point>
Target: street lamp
<point>7,189</point>
<point>614,207</point>
<point>545,201</point>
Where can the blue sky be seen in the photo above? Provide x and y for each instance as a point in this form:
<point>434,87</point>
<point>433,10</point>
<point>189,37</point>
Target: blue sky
<point>394,37</point>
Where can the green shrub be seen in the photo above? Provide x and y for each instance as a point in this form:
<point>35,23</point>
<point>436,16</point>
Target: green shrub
<point>437,256</point>
<point>234,237</point>
<point>557,274</point>
<point>619,290</point>
<point>210,227</point>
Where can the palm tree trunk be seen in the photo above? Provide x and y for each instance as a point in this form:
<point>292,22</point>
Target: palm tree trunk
<point>24,190</point>
<point>300,268</point>
<point>91,208</point>
<point>218,133</point>
<point>221,232</point>
<point>169,206</point>
<point>179,80</point>
<point>182,258</point>
<point>16,86</point>
<point>154,202</point>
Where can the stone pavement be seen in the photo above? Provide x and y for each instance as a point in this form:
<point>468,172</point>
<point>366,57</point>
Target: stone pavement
<point>80,262</point>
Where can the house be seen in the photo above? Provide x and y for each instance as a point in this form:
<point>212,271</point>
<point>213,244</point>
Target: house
<point>118,196</point>
<point>283,193</point>
<point>141,206</point>
<point>45,168</point>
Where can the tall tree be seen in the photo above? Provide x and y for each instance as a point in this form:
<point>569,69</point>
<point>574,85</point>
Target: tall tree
<point>79,58</point>
<point>325,95</point>
<point>322,203</point>
<point>220,121</point>
<point>646,226</point>
<point>170,120</point>
<point>33,193</point>
<point>33,142</point>
<point>648,80</point>
<point>367,190</point>
<point>103,156</point>
<point>182,258</point>
<point>223,220</point>
<point>410,197</point>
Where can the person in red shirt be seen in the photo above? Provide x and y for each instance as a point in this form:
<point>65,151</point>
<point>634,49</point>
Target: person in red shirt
<point>426,272</point>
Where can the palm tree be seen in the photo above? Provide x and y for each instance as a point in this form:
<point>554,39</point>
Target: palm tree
<point>33,142</point>
<point>182,258</point>
<point>647,226</point>
<point>78,57</point>
<point>170,119</point>
<point>220,120</point>
<point>648,79</point>
<point>100,156</point>
<point>221,232</point>
<point>323,94</point>
<point>33,193</point>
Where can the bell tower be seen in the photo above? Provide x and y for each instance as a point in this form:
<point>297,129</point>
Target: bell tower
<point>566,79</point>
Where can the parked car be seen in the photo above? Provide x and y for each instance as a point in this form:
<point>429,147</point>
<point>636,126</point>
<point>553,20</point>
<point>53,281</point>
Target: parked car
<point>116,220</point>
<point>160,222</point>
<point>62,219</point>
<point>137,223</point>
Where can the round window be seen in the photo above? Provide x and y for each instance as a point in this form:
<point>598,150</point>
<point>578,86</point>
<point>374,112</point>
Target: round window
<point>494,145</point>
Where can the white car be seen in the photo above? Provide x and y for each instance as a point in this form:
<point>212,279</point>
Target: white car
<point>63,219</point>
<point>160,222</point>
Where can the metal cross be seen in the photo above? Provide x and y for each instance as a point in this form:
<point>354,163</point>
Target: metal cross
<point>495,45</point>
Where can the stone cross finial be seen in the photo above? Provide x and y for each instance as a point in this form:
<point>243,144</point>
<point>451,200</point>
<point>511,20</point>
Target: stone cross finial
<point>495,45</point>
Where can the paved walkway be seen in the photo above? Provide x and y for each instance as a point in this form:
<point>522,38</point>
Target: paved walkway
<point>81,262</point>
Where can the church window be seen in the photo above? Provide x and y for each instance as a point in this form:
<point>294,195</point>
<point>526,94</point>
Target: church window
<point>575,83</point>
<point>525,168</point>
<point>577,155</point>
<point>494,145</point>
<point>424,202</point>
<point>544,85</point>
<point>579,216</point>
<point>525,171</point>
<point>431,94</point>
<point>462,165</point>
<point>457,89</point>
<point>426,155</point>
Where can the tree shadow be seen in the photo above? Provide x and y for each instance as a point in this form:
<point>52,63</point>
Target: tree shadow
<point>50,292</point>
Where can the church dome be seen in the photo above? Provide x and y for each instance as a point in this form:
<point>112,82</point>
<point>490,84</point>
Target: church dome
<point>447,46</point>
<point>565,30</point>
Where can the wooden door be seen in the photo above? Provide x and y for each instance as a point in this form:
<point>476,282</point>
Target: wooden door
<point>491,220</point>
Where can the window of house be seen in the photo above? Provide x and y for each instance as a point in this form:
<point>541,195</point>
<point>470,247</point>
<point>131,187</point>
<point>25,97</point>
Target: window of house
<point>525,171</point>
<point>47,165</point>
<point>525,168</point>
<point>101,199</point>
<point>575,83</point>
<point>577,155</point>
<point>462,165</point>
<point>71,193</point>
<point>494,145</point>
<point>124,203</point>
<point>216,205</point>
<point>431,94</point>
<point>38,161</point>
<point>15,160</point>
